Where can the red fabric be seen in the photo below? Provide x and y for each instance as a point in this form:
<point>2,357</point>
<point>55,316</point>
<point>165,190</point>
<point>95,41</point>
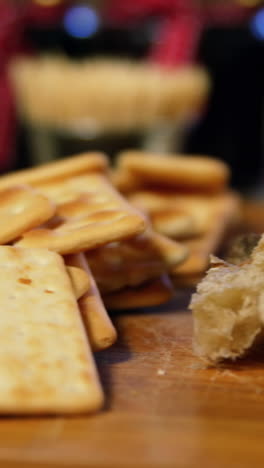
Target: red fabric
<point>10,43</point>
<point>178,41</point>
<point>13,18</point>
<point>7,125</point>
<point>183,22</point>
<point>44,15</point>
<point>226,13</point>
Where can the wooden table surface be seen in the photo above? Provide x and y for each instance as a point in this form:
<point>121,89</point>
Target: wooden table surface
<point>163,408</point>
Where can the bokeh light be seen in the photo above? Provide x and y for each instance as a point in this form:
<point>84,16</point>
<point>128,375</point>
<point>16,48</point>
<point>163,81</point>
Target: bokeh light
<point>81,21</point>
<point>257,24</point>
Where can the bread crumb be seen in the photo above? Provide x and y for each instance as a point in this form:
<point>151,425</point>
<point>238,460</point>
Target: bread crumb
<point>161,372</point>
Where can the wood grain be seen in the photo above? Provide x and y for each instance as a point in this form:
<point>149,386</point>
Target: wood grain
<point>163,409</point>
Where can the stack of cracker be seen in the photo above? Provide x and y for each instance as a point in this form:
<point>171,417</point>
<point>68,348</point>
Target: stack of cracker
<point>55,92</point>
<point>67,237</point>
<point>185,198</point>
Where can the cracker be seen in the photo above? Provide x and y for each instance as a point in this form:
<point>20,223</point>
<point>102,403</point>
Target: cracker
<point>63,168</point>
<point>126,263</point>
<point>194,172</point>
<point>62,93</point>
<point>176,224</point>
<point>172,252</point>
<point>100,329</point>
<point>80,281</point>
<point>90,213</point>
<point>200,248</point>
<point>124,180</point>
<point>200,208</point>
<point>191,271</point>
<point>46,365</point>
<point>165,213</point>
<point>134,261</point>
<point>22,208</point>
<point>149,294</point>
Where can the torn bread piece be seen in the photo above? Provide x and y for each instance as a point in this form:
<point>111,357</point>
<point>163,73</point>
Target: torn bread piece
<point>80,281</point>
<point>61,169</point>
<point>150,294</point>
<point>22,208</point>
<point>99,326</point>
<point>228,308</point>
<point>46,365</point>
<point>94,214</point>
<point>182,171</point>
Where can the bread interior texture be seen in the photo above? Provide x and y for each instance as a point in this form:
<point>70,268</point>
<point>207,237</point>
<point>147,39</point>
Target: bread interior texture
<point>228,308</point>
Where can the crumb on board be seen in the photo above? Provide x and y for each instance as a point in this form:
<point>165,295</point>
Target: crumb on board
<point>161,372</point>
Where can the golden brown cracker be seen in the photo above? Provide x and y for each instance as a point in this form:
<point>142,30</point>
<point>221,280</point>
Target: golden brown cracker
<point>195,172</point>
<point>134,261</point>
<point>201,247</point>
<point>80,281</point>
<point>60,169</point>
<point>125,263</point>
<point>46,365</point>
<point>22,208</point>
<point>124,181</point>
<point>200,208</point>
<point>172,252</point>
<point>173,223</point>
<point>93,215</point>
<point>100,329</point>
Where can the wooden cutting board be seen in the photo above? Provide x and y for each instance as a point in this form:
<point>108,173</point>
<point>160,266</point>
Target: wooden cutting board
<point>163,408</point>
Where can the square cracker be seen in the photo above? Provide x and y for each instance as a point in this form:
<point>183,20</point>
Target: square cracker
<point>90,213</point>
<point>22,208</point>
<point>46,365</point>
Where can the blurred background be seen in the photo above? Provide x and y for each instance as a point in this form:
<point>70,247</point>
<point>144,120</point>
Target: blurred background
<point>165,75</point>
